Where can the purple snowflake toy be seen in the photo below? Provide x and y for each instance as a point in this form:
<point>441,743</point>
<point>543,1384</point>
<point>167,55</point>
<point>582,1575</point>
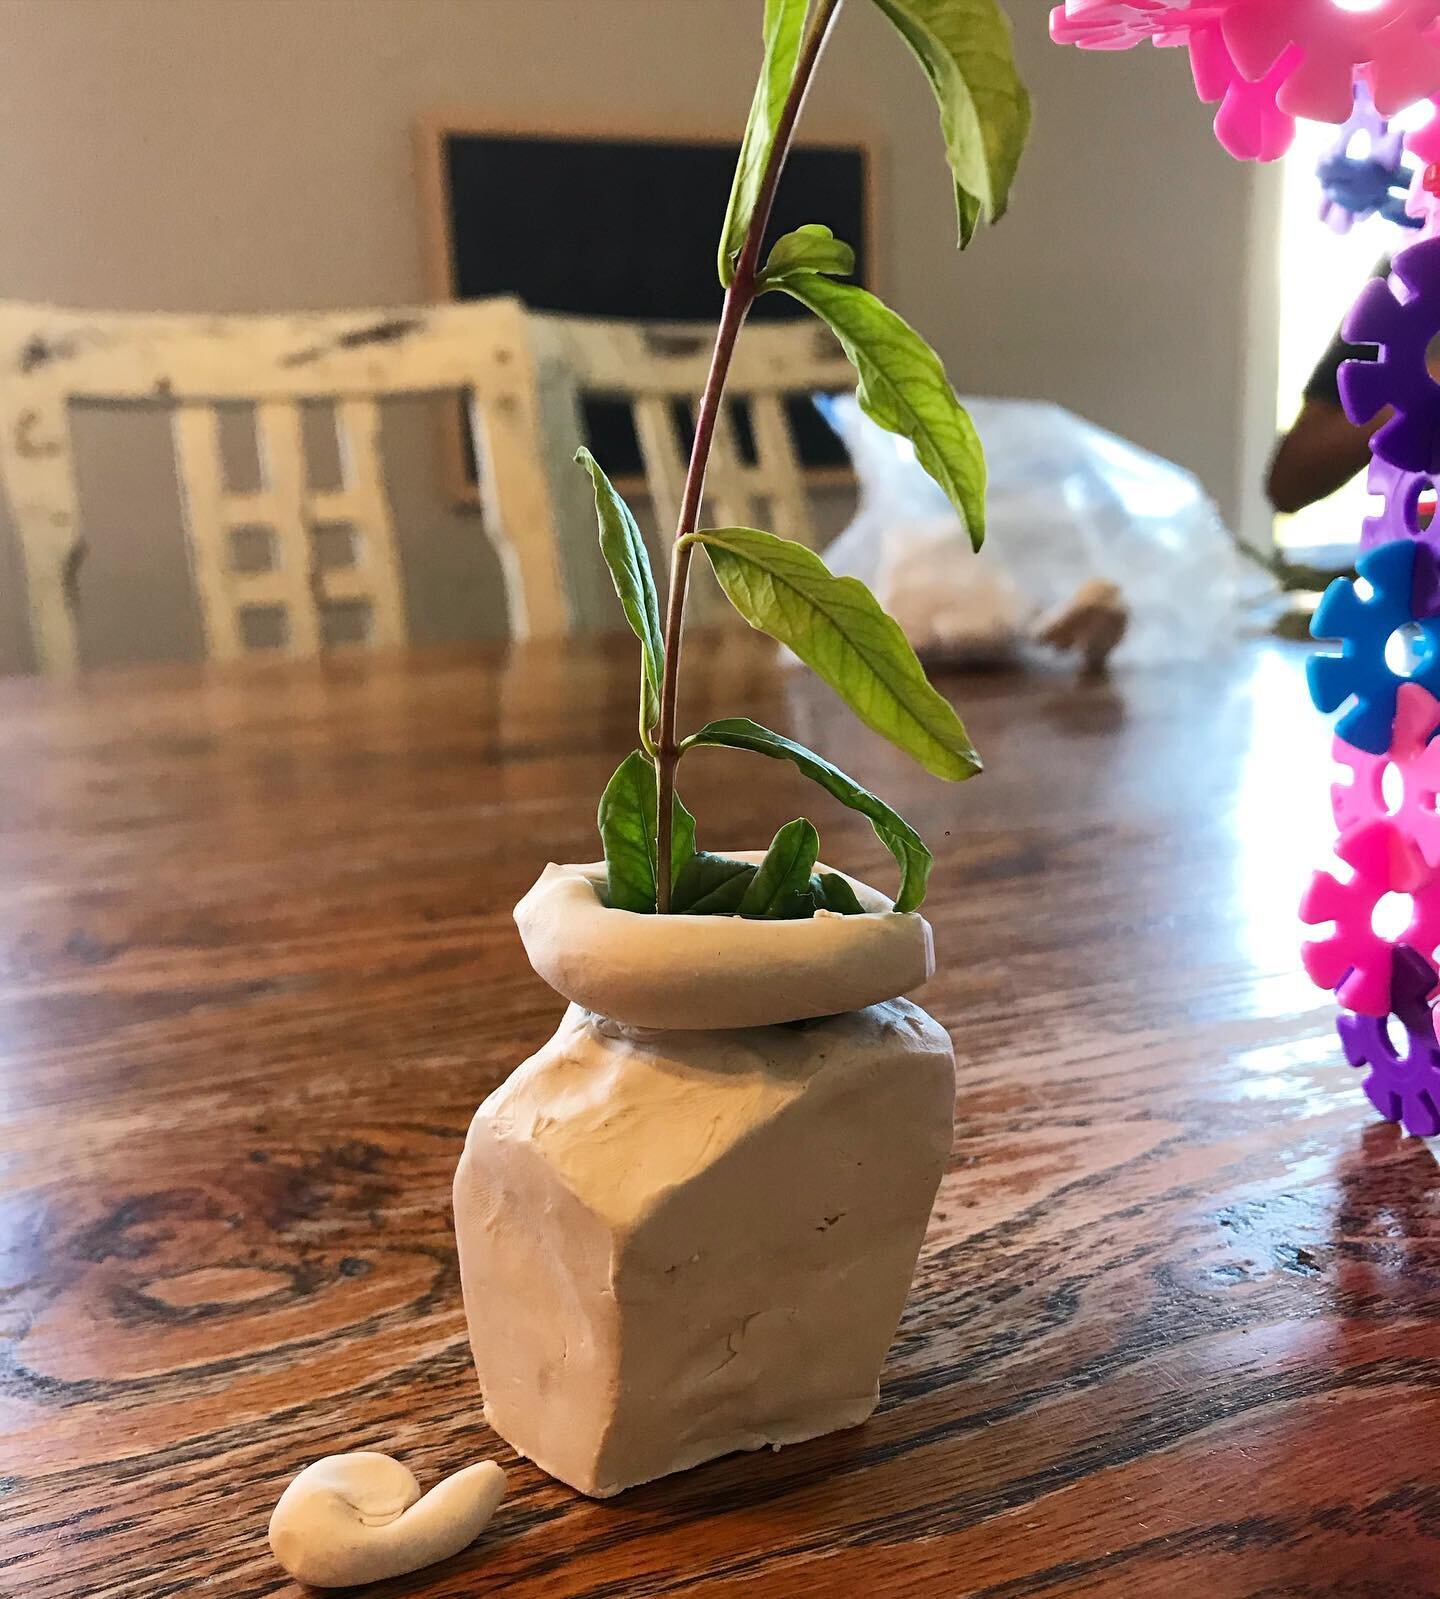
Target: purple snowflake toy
<point>1403,1086</point>
<point>1372,181</point>
<point>1399,514</point>
<point>1401,317</point>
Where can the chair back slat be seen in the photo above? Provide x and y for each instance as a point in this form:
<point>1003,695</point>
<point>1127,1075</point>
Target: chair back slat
<point>333,575</point>
<point>662,456</point>
<point>655,366</point>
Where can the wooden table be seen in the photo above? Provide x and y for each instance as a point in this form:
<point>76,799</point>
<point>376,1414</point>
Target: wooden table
<point>1176,1329</point>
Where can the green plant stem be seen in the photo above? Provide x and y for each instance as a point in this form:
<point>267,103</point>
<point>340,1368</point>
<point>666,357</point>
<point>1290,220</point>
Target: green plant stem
<point>739,297</point>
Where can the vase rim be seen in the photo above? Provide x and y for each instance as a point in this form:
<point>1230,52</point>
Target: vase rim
<point>687,972</point>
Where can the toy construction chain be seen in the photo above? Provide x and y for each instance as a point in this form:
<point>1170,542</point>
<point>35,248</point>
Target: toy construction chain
<point>1265,63</point>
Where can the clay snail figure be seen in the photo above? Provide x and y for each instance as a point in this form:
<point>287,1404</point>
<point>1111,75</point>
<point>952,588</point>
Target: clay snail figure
<point>358,1518</point>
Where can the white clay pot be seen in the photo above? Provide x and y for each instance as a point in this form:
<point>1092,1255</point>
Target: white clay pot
<point>685,1229</point>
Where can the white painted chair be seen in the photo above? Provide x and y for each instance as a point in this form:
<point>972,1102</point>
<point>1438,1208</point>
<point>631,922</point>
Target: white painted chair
<point>259,559</point>
<point>659,367</point>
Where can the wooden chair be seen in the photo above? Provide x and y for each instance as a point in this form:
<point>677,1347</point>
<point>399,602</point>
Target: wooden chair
<point>659,368</point>
<point>257,556</point>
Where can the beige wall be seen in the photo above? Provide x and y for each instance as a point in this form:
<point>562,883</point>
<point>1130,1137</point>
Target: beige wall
<point>255,154</point>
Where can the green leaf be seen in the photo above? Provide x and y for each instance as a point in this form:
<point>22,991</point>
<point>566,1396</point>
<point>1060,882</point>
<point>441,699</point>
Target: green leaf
<point>629,563</point>
<point>780,889</point>
<point>710,885</point>
<point>813,248</point>
<point>627,830</point>
<point>833,893</point>
<point>682,833</point>
<point>627,821</point>
<point>836,626</point>
<point>784,28</point>
<point>966,50</point>
<point>897,835</point>
<point>903,388</point>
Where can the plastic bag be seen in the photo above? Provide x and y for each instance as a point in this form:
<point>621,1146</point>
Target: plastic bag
<point>1077,517</point>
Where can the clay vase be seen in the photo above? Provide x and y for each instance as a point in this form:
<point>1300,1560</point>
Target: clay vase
<point>687,1224</point>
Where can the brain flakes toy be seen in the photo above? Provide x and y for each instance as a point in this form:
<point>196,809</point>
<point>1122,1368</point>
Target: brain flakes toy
<point>1266,63</point>
<point>1270,61</point>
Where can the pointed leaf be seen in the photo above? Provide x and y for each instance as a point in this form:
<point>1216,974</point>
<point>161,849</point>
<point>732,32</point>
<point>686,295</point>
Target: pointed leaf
<point>832,893</point>
<point>903,388</point>
<point>627,818</point>
<point>967,52</point>
<point>813,248</point>
<point>627,830</point>
<point>710,885</point>
<point>682,834</point>
<point>836,626</point>
<point>629,562</point>
<point>784,28</point>
<point>897,835</point>
<point>780,889</point>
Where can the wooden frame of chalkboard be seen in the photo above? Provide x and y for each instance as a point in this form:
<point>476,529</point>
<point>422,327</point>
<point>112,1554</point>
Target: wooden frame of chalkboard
<point>829,179</point>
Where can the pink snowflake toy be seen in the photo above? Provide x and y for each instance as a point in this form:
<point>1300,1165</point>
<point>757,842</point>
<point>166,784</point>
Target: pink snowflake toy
<point>1414,754</point>
<point>1249,123</point>
<point>1393,43</point>
<point>1354,961</point>
<point>1269,61</point>
<point>1121,24</point>
<point>1423,142</point>
<point>1423,145</point>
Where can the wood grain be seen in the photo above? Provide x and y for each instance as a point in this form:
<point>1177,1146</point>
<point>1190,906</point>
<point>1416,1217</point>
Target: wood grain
<point>1175,1329</point>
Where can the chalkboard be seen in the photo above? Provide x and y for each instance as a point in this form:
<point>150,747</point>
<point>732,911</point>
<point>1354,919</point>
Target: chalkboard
<point>625,227</point>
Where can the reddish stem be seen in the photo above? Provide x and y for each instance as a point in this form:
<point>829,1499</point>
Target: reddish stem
<point>739,297</point>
